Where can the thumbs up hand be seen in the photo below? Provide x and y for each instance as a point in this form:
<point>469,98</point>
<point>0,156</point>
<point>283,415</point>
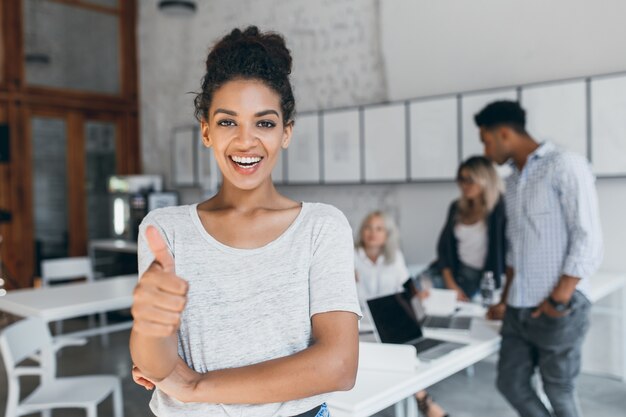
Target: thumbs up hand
<point>160,296</point>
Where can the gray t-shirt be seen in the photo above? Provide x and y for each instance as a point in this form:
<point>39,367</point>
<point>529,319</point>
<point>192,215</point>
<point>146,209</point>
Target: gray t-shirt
<point>247,306</point>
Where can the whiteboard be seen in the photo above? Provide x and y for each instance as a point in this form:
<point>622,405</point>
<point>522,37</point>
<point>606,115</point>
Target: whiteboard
<point>303,160</point>
<point>209,175</point>
<point>385,143</point>
<point>184,143</point>
<point>557,113</point>
<point>470,105</point>
<point>608,125</point>
<point>342,154</point>
<point>434,138</point>
<point>278,176</point>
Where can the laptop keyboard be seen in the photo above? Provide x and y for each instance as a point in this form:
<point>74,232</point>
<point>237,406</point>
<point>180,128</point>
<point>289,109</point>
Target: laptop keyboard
<point>443,322</point>
<point>425,344</point>
<point>437,321</point>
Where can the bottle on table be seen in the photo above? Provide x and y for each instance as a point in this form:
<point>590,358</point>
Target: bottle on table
<point>487,288</point>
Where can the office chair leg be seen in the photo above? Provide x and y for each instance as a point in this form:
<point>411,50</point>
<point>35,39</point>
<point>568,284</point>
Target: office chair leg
<point>46,413</point>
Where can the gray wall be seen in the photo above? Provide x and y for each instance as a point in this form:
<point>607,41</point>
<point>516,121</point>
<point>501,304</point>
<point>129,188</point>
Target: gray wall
<point>354,52</point>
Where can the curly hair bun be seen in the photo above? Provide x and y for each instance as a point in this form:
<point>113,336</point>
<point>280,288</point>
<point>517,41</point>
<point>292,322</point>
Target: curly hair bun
<point>248,54</point>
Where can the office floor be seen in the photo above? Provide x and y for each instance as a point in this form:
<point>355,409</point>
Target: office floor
<point>462,396</point>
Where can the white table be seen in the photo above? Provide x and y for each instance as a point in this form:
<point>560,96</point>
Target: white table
<point>113,245</point>
<point>67,301</point>
<point>377,388</point>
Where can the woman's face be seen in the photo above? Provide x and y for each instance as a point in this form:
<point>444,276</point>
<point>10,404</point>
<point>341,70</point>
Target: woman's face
<point>469,189</point>
<point>374,233</point>
<point>245,127</point>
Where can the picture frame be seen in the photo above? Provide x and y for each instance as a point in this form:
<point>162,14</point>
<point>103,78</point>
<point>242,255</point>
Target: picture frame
<point>184,161</point>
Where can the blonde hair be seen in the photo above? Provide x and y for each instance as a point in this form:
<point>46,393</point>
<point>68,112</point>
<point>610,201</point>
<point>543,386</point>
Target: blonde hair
<point>482,172</point>
<point>392,243</point>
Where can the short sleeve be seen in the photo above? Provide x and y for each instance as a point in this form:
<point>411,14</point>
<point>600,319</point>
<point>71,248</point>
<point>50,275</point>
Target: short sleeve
<point>144,254</point>
<point>332,285</point>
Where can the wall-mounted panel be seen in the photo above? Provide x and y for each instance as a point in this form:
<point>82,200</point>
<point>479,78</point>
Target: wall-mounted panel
<point>434,138</point>
<point>342,153</point>
<point>385,143</point>
<point>608,125</point>
<point>557,113</point>
<point>303,160</point>
<point>470,105</point>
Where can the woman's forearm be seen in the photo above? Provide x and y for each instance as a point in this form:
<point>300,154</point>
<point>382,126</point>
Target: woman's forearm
<point>330,364</point>
<point>510,274</point>
<point>448,278</point>
<point>156,357</point>
<point>310,372</point>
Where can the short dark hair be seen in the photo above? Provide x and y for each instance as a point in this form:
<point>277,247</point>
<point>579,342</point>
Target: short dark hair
<point>504,112</point>
<point>248,54</point>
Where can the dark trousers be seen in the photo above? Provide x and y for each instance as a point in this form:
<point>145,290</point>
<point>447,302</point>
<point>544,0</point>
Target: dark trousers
<point>551,344</point>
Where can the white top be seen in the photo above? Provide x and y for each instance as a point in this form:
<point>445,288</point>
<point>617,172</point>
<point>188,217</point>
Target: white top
<point>377,279</point>
<point>472,243</point>
<point>247,306</point>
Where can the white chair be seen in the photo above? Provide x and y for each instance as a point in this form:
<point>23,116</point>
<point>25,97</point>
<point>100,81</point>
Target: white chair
<point>31,336</point>
<point>63,269</point>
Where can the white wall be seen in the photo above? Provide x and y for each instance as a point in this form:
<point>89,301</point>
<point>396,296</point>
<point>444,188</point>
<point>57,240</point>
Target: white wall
<point>354,52</point>
<point>434,47</point>
<point>334,46</point>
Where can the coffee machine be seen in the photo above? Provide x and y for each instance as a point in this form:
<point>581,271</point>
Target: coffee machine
<point>130,197</point>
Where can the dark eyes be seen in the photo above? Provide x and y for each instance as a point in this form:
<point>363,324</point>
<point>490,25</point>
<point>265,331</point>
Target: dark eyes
<point>225,122</point>
<point>267,124</point>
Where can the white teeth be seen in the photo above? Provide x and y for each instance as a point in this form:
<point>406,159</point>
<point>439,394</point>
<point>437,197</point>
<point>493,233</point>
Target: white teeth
<point>246,159</point>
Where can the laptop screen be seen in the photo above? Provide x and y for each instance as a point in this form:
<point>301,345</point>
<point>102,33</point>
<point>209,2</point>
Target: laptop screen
<point>394,319</point>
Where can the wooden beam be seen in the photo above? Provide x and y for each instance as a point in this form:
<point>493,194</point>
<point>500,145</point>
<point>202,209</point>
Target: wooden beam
<point>89,6</point>
<point>77,198</point>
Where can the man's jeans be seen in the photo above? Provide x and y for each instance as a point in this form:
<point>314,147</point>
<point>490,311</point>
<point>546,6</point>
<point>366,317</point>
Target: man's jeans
<point>552,344</point>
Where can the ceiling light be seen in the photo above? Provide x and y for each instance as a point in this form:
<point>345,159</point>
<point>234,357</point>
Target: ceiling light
<point>183,8</point>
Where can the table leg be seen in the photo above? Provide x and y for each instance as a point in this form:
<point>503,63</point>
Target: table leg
<point>411,407</point>
<point>400,409</point>
<point>624,333</point>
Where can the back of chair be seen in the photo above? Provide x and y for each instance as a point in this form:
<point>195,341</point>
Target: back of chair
<point>19,341</point>
<point>66,268</point>
<point>25,338</point>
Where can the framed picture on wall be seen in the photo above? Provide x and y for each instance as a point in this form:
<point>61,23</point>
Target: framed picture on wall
<point>608,125</point>
<point>557,112</point>
<point>342,146</point>
<point>184,143</point>
<point>208,174</point>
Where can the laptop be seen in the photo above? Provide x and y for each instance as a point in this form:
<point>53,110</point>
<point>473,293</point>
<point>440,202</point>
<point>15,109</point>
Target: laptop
<point>395,321</point>
<point>437,310</point>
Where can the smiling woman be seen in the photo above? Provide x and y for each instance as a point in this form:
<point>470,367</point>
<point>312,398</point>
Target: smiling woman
<point>247,303</point>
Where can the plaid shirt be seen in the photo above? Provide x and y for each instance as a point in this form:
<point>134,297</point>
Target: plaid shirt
<point>553,226</point>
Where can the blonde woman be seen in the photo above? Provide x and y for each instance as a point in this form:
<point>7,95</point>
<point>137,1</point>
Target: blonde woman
<point>472,240</point>
<point>381,270</point>
<point>379,263</point>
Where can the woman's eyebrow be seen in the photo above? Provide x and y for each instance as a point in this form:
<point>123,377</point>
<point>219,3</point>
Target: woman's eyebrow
<point>229,112</point>
<point>266,112</point>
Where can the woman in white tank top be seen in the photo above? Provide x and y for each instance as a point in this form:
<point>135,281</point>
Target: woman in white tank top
<point>472,240</point>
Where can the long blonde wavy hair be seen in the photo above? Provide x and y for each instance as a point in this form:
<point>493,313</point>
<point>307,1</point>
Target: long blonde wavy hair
<point>392,244</point>
<point>483,173</point>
